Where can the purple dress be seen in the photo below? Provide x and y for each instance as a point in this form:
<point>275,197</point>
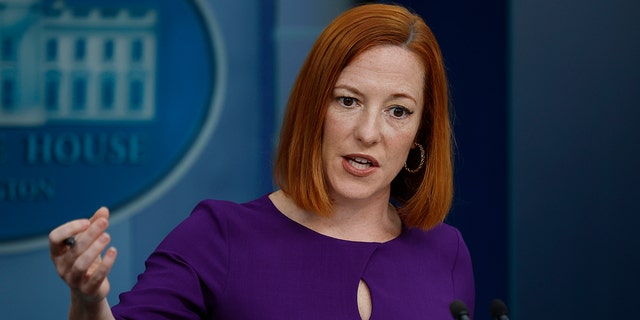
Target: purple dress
<point>249,261</point>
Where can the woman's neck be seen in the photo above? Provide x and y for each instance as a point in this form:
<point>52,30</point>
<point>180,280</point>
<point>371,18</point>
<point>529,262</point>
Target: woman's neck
<point>366,221</point>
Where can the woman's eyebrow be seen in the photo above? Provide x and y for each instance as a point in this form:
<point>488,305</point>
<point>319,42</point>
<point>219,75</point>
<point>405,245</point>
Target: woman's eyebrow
<point>404,96</point>
<point>399,95</point>
<point>348,88</point>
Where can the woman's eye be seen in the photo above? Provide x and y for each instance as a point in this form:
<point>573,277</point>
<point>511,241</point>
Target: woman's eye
<point>347,101</point>
<point>399,111</point>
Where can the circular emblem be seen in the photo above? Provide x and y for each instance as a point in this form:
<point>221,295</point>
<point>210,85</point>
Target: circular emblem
<point>101,103</point>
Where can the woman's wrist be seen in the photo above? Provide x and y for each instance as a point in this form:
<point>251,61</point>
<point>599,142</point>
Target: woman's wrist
<point>81,309</point>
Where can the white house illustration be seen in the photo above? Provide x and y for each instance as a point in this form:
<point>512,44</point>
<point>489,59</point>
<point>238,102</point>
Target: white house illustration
<point>76,64</point>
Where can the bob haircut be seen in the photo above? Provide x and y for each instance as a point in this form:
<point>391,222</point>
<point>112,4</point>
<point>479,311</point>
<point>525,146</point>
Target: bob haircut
<point>423,198</point>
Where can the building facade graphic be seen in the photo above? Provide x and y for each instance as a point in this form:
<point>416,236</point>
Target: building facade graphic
<point>76,64</point>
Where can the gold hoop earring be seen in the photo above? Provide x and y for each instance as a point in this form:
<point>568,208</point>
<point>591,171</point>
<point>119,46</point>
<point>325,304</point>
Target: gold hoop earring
<point>422,158</point>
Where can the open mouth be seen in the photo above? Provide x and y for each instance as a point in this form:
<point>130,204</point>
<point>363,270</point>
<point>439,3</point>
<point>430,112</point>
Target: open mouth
<point>360,163</point>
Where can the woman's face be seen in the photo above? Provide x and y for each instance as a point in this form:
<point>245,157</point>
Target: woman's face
<point>371,123</point>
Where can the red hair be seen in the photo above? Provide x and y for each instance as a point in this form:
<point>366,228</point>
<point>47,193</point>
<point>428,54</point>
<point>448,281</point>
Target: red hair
<point>424,197</point>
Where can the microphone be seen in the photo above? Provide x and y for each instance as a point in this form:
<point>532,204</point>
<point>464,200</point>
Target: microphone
<point>498,310</point>
<point>459,310</point>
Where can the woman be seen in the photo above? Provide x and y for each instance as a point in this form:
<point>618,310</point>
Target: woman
<point>355,230</point>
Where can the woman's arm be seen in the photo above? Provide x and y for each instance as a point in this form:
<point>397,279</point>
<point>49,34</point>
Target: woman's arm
<point>81,310</point>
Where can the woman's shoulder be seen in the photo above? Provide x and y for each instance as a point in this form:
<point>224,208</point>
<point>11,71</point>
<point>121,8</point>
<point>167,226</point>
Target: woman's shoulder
<point>442,233</point>
<point>210,221</point>
<point>443,240</point>
<point>226,211</point>
<point>218,205</point>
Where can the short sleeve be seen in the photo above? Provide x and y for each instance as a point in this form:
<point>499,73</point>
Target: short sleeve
<point>185,274</point>
<point>462,275</point>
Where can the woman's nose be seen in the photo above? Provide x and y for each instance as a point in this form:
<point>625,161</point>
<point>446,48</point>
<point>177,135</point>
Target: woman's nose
<point>368,129</point>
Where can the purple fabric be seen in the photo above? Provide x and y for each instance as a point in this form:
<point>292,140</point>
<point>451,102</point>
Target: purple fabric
<point>249,261</point>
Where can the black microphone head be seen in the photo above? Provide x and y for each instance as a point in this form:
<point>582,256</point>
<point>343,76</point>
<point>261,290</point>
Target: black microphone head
<point>458,308</point>
<point>497,308</point>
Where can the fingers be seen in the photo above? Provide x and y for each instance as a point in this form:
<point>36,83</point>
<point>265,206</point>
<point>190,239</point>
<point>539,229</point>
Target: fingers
<point>96,281</point>
<point>59,234</point>
<point>102,212</point>
<point>70,229</point>
<point>86,238</point>
<point>86,265</point>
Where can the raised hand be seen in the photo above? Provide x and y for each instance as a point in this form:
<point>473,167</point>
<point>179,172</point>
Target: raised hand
<point>76,248</point>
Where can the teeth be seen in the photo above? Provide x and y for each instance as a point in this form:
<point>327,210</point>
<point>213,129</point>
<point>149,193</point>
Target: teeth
<point>361,160</point>
<point>358,165</point>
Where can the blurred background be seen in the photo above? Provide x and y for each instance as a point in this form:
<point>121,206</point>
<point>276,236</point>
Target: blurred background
<point>545,97</point>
